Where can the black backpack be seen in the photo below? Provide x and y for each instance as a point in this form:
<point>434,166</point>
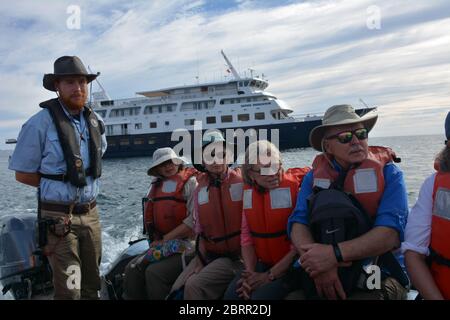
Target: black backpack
<point>336,216</point>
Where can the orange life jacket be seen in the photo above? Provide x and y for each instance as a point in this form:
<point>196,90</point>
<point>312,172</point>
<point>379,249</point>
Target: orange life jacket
<point>440,233</point>
<point>267,214</point>
<point>166,206</point>
<point>220,213</point>
<point>365,182</point>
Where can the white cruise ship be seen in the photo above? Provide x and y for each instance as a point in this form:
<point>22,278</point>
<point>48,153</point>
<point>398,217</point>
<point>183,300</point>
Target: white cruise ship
<point>138,126</point>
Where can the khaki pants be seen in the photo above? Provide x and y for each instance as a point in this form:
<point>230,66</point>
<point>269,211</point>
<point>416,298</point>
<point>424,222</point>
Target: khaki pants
<point>155,281</point>
<point>209,282</point>
<point>75,255</point>
<point>391,289</point>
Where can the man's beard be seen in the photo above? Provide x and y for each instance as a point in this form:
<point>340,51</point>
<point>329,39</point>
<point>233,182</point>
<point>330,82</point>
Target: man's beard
<point>73,105</point>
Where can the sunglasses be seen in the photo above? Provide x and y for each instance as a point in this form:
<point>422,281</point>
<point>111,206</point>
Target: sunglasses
<point>347,136</point>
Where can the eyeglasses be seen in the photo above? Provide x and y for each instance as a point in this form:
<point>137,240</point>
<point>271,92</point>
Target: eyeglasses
<point>347,136</point>
<point>267,171</point>
<point>166,163</point>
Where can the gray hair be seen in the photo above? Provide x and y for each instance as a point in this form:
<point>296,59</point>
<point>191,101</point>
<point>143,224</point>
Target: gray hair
<point>257,151</point>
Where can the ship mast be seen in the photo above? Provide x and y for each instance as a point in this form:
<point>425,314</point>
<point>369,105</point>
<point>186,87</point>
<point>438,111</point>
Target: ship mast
<point>232,69</point>
<point>104,95</point>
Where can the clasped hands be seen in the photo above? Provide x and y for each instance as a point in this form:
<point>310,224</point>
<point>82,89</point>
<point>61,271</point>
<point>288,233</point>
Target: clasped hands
<point>320,262</point>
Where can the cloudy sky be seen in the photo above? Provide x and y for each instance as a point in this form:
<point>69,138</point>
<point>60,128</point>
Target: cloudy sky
<point>392,54</point>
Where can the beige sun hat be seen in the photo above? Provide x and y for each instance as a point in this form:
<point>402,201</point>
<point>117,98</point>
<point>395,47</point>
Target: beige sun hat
<point>162,155</point>
<point>339,115</point>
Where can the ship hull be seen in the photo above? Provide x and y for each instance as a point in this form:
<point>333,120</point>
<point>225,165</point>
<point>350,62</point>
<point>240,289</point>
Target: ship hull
<point>291,135</point>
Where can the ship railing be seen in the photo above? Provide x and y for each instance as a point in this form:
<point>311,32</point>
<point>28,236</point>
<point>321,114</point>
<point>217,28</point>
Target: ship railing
<point>305,116</point>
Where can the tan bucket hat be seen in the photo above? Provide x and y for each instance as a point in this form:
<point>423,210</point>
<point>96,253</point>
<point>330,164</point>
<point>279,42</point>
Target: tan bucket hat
<point>339,115</point>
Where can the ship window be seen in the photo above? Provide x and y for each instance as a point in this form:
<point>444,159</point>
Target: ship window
<point>101,113</point>
<point>166,123</point>
<point>109,130</point>
<point>124,128</point>
<point>210,119</point>
<point>138,126</point>
<point>152,124</point>
<point>107,103</point>
<point>203,89</point>
<point>151,140</point>
<point>189,122</point>
<point>259,116</point>
<point>139,141</point>
<point>245,83</point>
<point>227,118</point>
<point>160,108</point>
<point>231,100</point>
<point>124,142</point>
<point>249,99</point>
<point>243,117</point>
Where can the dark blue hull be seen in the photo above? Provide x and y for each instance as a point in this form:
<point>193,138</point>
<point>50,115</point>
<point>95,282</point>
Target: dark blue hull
<point>291,135</point>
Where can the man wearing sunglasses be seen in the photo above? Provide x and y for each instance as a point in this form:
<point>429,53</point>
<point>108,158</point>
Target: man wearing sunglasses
<point>371,177</point>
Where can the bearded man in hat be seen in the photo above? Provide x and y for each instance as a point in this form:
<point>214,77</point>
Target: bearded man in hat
<point>347,164</point>
<point>59,151</point>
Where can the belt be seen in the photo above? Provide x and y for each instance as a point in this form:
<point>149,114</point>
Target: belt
<point>77,209</point>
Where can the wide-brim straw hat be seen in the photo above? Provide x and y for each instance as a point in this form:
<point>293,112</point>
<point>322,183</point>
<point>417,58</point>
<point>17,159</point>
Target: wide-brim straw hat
<point>162,155</point>
<point>339,115</point>
<point>66,66</point>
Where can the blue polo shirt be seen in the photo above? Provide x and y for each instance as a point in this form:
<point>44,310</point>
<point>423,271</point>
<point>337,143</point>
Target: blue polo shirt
<point>38,150</point>
<point>393,209</point>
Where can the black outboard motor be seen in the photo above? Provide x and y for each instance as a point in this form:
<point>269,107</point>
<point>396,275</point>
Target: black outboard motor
<point>112,281</point>
<point>23,270</point>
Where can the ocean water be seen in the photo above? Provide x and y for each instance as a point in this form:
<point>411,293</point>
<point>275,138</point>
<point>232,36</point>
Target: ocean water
<point>125,182</point>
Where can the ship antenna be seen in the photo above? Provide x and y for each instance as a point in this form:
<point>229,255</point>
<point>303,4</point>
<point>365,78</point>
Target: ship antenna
<point>232,69</point>
<point>100,85</point>
<point>365,104</point>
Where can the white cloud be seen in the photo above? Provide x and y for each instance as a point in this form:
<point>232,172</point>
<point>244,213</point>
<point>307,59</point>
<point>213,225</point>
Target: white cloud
<point>315,53</point>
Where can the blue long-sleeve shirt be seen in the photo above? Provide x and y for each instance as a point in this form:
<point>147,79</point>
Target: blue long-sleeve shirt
<point>393,209</point>
<point>38,150</point>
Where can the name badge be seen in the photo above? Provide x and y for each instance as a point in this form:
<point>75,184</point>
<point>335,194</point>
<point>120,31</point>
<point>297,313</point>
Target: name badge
<point>322,183</point>
<point>203,196</point>
<point>248,203</point>
<point>236,191</point>
<point>365,180</point>
<point>169,186</point>
<point>280,198</point>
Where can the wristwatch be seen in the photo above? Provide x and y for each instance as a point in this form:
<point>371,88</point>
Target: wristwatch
<point>338,253</point>
<point>271,276</point>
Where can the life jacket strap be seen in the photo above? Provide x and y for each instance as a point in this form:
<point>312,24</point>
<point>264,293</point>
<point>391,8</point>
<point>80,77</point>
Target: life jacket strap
<point>438,258</point>
<point>63,177</point>
<point>167,198</point>
<point>269,235</point>
<point>220,239</point>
